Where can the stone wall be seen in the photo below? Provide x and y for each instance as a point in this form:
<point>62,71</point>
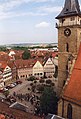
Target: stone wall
<point>76,110</point>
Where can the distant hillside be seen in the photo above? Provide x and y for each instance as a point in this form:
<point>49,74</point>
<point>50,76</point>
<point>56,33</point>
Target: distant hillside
<point>32,44</point>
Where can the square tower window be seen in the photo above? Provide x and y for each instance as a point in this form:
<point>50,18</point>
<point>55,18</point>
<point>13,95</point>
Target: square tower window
<point>72,18</point>
<point>67,47</point>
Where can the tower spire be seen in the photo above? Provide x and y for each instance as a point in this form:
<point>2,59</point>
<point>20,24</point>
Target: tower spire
<point>71,8</point>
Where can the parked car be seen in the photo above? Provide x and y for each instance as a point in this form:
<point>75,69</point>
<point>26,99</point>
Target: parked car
<point>1,90</point>
<point>5,89</point>
<point>12,85</point>
<point>15,84</point>
<point>8,87</point>
<point>19,82</point>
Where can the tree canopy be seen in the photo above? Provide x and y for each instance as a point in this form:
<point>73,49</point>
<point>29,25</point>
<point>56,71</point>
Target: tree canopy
<point>31,78</point>
<point>41,81</point>
<point>48,101</point>
<point>26,55</point>
<point>19,48</point>
<point>48,81</point>
<point>2,48</point>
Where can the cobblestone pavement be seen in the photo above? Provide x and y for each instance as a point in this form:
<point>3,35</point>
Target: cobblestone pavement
<point>23,89</point>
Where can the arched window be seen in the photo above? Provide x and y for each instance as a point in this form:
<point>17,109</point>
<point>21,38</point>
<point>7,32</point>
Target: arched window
<point>69,111</point>
<point>67,47</point>
<point>80,22</point>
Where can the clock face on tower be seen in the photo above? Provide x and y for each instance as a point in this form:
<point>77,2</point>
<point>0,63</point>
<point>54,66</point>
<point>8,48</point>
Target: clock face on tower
<point>67,32</point>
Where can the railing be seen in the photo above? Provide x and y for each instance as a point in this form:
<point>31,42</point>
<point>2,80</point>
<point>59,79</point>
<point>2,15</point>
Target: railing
<point>67,24</point>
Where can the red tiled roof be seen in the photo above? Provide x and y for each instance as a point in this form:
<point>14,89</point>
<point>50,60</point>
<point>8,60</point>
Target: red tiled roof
<point>3,64</point>
<point>11,64</point>
<point>17,53</point>
<point>54,54</point>
<point>26,63</point>
<point>73,89</point>
<point>2,53</point>
<point>3,56</point>
<point>2,116</point>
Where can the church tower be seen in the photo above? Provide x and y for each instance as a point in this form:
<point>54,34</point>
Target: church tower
<point>69,36</point>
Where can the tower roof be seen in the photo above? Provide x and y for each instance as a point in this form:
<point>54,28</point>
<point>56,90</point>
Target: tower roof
<point>71,8</point>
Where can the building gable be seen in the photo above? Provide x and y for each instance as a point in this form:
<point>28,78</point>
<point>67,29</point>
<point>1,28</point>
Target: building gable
<point>38,65</point>
<point>7,68</point>
<point>49,63</point>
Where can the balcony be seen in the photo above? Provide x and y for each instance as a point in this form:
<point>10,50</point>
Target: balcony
<point>68,24</point>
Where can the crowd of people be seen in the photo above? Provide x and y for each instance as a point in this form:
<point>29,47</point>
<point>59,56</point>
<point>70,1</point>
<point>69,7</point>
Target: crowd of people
<point>26,97</point>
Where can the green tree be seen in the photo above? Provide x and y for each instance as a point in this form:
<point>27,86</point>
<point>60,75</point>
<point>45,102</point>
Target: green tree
<point>26,55</point>
<point>48,81</point>
<point>35,82</point>
<point>48,101</point>
<point>2,48</point>
<point>33,88</point>
<point>31,78</point>
<point>6,93</point>
<point>19,48</point>
<point>40,88</point>
<point>42,81</point>
<point>52,84</point>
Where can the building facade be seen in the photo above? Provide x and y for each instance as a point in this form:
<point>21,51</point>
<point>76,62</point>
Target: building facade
<point>24,73</point>
<point>35,67</point>
<point>24,68</point>
<point>7,75</point>
<point>38,70</point>
<point>49,68</point>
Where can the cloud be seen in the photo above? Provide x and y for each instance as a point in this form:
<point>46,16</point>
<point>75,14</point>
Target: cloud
<point>47,9</point>
<point>42,0</point>
<point>7,8</point>
<point>10,4</point>
<point>42,25</point>
<point>7,15</point>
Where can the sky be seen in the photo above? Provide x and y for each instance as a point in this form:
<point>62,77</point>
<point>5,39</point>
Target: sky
<point>29,21</point>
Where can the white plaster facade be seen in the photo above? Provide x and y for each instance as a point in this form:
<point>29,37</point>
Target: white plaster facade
<point>7,74</point>
<point>38,70</point>
<point>24,73</point>
<point>49,68</point>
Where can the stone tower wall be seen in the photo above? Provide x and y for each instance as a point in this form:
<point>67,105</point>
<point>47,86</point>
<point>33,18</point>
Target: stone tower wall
<point>73,42</point>
<point>76,109</point>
